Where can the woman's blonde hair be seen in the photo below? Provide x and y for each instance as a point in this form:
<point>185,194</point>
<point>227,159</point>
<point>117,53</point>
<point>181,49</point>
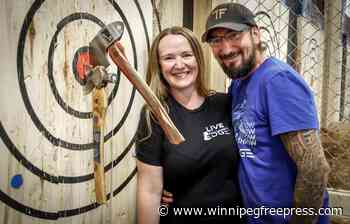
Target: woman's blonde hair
<point>155,79</point>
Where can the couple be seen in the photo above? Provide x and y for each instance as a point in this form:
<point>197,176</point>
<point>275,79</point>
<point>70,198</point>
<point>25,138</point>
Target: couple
<point>257,147</point>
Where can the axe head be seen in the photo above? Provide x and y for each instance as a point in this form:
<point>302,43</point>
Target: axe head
<point>104,39</point>
<point>96,74</point>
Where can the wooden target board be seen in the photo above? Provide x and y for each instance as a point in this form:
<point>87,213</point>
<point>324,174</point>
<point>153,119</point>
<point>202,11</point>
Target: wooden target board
<point>46,141</point>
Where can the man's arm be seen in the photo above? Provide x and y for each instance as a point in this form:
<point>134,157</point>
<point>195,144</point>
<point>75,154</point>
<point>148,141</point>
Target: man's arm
<point>305,148</point>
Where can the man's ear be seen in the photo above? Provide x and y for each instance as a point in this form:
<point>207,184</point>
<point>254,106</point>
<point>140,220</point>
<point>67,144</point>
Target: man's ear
<point>255,32</point>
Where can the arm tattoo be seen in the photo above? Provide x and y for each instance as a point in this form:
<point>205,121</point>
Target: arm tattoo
<point>305,148</point>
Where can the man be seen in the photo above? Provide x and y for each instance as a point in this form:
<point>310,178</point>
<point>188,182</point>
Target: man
<point>275,122</point>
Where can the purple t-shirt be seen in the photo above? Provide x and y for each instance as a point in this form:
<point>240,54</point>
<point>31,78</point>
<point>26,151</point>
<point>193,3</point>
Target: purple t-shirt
<point>274,100</point>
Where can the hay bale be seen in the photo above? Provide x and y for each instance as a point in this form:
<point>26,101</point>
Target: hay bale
<point>336,143</point>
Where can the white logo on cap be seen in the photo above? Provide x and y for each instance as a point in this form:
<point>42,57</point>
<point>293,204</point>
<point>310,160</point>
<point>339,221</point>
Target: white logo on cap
<point>219,13</point>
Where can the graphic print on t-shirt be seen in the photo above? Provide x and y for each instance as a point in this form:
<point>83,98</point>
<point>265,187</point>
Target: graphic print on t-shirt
<point>214,130</point>
<point>244,127</point>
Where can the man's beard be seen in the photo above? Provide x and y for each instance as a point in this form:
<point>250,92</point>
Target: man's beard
<point>246,67</point>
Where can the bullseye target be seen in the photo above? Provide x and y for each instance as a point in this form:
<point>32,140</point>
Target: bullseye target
<point>46,126</point>
<point>80,62</point>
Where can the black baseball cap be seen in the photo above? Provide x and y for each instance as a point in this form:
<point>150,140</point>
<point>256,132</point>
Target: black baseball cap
<point>231,16</point>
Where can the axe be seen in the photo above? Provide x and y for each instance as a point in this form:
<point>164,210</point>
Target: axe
<point>102,46</point>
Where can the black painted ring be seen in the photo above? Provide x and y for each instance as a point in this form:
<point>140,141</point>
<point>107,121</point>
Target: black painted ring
<point>11,147</point>
<point>60,214</point>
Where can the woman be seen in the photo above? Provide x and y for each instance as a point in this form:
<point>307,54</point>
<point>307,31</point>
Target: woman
<point>200,172</point>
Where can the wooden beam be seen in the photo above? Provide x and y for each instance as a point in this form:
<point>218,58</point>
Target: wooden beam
<point>187,18</point>
<point>332,63</point>
<point>201,10</point>
<point>171,13</point>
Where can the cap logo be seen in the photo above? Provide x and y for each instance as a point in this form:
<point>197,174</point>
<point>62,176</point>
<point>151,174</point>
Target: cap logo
<point>219,13</point>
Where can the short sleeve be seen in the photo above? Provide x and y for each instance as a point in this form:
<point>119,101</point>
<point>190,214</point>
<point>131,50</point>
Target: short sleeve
<point>290,104</point>
<point>149,150</point>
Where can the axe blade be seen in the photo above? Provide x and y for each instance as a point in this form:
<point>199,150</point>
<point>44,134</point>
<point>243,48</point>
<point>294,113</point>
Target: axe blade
<point>104,39</point>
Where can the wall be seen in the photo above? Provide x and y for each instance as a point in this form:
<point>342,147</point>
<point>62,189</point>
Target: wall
<point>45,120</point>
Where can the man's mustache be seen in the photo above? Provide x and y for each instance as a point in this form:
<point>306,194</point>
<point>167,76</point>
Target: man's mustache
<point>228,56</point>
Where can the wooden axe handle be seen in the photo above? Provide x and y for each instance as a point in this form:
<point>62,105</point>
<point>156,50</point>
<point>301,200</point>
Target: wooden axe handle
<point>99,102</point>
<point>170,130</point>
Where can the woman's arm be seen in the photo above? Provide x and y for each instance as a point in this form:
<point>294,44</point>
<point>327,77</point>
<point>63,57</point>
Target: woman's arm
<point>149,192</point>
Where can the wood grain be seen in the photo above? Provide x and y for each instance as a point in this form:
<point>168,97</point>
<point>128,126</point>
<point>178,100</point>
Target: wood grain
<point>99,114</point>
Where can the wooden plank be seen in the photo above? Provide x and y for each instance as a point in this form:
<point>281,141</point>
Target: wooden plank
<point>332,66</point>
<point>340,199</point>
<point>33,192</point>
<point>311,39</point>
<point>347,88</point>
<point>171,13</point>
<point>201,12</point>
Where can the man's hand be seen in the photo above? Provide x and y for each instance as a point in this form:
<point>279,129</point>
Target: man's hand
<point>305,148</point>
<point>167,198</point>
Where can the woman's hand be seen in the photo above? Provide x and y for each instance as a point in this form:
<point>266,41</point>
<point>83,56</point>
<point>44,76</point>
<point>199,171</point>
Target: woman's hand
<point>167,198</point>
